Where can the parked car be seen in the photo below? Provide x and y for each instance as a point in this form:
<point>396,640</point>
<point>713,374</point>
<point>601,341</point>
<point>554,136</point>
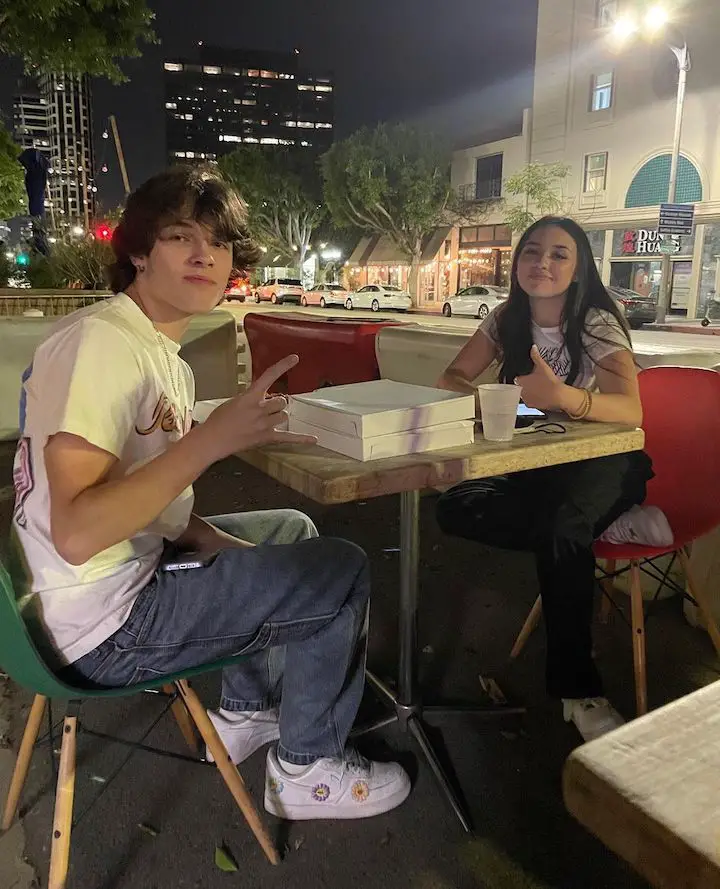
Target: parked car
<point>379,296</point>
<point>239,289</point>
<point>325,295</point>
<point>638,309</point>
<point>476,301</point>
<point>279,291</point>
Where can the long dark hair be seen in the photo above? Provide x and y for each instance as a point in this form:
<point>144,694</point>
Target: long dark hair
<point>587,292</point>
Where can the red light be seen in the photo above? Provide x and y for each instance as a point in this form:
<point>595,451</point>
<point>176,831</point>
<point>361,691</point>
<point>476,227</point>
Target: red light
<point>103,233</point>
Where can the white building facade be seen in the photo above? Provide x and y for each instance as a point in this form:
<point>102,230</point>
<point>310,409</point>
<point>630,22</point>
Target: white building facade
<point>608,113</point>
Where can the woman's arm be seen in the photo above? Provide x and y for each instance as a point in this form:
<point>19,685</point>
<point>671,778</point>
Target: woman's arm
<point>473,359</point>
<point>618,399</point>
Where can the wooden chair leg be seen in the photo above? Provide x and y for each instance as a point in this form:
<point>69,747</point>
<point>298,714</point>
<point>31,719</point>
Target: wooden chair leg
<point>64,796</point>
<point>227,769</point>
<point>531,622</point>
<point>638,630</point>
<point>608,587</point>
<point>698,593</point>
<point>185,723</point>
<point>32,729</point>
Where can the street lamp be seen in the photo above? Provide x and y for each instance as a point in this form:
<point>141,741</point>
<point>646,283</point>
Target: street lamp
<point>654,22</point>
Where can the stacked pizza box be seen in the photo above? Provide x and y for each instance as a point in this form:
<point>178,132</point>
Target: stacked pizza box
<point>383,418</point>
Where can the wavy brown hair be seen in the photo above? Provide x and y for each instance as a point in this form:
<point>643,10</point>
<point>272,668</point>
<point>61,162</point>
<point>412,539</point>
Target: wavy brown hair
<point>585,293</point>
<point>181,193</point>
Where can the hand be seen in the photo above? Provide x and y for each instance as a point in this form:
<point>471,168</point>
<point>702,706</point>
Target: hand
<point>541,388</point>
<point>252,420</point>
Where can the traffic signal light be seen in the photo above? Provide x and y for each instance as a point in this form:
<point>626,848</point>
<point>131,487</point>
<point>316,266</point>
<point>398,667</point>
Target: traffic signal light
<point>22,259</point>
<point>103,232</point>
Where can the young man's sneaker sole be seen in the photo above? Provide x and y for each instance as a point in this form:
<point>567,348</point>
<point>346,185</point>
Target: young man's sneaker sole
<point>333,789</point>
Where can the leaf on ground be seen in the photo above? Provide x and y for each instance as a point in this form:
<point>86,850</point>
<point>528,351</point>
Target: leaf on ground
<point>148,829</point>
<point>224,860</point>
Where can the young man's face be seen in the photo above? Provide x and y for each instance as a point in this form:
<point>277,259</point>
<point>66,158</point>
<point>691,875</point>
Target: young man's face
<point>188,268</point>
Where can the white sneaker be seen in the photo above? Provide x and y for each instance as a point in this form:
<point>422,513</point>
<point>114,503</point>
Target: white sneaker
<point>593,717</point>
<point>646,525</point>
<point>352,787</point>
<point>244,733</point>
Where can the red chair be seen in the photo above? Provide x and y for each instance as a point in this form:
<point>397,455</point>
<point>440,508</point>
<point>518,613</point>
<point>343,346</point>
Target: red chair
<point>332,353</point>
<point>681,407</point>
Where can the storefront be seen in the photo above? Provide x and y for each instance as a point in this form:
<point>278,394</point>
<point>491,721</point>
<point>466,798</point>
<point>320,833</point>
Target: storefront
<point>485,256</point>
<point>636,264</point>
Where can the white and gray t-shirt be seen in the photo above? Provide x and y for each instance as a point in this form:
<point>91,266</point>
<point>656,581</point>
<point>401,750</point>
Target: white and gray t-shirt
<point>603,336</point>
<point>105,374</point>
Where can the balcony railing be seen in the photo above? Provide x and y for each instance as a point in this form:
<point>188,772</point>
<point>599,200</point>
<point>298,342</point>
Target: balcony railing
<point>485,190</point>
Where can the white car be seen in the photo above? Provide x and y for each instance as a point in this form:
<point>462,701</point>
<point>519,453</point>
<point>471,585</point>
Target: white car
<point>477,301</point>
<point>325,295</point>
<point>280,290</point>
<point>379,297</point>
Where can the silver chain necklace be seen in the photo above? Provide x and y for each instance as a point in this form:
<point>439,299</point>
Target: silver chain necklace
<point>174,380</point>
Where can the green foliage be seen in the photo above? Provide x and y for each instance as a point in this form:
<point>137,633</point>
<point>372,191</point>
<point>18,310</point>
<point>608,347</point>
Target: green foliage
<point>72,263</point>
<point>393,180</point>
<point>75,36</point>
<point>13,197</point>
<point>541,187</point>
<point>282,191</point>
<point>7,268</point>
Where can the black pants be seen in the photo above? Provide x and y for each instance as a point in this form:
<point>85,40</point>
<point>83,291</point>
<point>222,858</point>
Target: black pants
<point>556,513</point>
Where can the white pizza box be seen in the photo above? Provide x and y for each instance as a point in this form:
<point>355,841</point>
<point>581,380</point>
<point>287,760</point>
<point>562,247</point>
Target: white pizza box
<point>394,444</point>
<point>203,409</point>
<point>380,407</point>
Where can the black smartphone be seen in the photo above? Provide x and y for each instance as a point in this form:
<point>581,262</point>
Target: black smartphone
<point>526,416</point>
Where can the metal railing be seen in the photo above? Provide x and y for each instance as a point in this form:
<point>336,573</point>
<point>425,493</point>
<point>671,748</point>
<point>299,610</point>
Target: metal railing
<point>485,190</point>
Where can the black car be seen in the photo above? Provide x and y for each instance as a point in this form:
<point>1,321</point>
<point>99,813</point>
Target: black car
<point>638,309</point>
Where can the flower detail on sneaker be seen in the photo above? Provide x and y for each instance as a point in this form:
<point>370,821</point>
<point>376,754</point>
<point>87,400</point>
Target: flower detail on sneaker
<point>360,791</point>
<point>320,792</point>
<point>275,786</point>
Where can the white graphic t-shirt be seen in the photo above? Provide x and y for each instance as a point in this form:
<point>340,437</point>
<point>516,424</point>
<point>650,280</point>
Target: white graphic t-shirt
<point>603,336</point>
<point>105,374</point>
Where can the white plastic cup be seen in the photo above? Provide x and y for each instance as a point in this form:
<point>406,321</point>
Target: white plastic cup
<point>498,410</point>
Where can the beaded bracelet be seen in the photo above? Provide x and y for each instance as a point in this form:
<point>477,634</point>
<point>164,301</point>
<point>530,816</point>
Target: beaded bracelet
<point>585,409</point>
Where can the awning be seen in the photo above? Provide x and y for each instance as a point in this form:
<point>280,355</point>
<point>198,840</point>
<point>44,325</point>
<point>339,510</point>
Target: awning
<point>435,242</point>
<point>363,249</point>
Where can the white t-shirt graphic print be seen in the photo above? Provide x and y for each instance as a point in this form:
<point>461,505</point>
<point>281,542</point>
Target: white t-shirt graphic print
<point>603,337</point>
<point>102,374</point>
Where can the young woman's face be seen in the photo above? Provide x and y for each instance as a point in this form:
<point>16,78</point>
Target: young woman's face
<point>547,263</point>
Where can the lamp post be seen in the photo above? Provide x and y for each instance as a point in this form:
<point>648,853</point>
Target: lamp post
<point>655,21</point>
<point>682,54</point>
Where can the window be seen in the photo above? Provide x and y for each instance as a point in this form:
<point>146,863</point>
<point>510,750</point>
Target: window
<point>606,13</point>
<point>269,75</point>
<point>323,89</point>
<point>488,179</point>
<point>304,87</point>
<point>249,101</point>
<point>602,92</point>
<point>595,172</point>
<point>253,72</point>
<point>171,106</point>
<point>306,124</point>
<point>323,126</point>
<point>173,66</point>
<point>211,69</point>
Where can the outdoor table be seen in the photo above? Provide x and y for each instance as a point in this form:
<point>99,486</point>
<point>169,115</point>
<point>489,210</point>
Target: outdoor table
<point>651,792</point>
<point>331,478</point>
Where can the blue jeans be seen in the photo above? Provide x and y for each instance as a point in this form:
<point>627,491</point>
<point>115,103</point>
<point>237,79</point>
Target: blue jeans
<point>296,604</point>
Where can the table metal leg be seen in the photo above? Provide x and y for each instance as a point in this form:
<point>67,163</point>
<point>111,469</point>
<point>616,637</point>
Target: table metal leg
<point>406,702</point>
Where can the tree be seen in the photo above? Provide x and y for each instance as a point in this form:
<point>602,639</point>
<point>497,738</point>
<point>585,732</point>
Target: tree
<point>13,199</point>
<point>393,181</point>
<point>282,193</point>
<point>75,36</point>
<point>541,186</point>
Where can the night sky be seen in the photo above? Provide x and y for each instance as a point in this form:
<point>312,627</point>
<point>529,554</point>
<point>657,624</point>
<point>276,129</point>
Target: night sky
<point>463,67</point>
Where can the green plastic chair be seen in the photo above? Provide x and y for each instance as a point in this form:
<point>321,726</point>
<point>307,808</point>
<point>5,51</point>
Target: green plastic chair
<point>22,662</point>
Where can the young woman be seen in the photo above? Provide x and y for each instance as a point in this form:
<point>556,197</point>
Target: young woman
<point>562,339</point>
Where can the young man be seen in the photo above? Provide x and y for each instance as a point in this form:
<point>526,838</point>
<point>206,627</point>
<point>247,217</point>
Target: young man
<point>103,478</point>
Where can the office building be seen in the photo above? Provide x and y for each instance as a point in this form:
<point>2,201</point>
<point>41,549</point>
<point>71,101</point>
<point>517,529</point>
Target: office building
<point>229,97</point>
<point>54,115</point>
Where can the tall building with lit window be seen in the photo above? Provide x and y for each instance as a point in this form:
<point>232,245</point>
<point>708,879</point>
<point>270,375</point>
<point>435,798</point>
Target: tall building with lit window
<point>54,115</point>
<point>226,97</point>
